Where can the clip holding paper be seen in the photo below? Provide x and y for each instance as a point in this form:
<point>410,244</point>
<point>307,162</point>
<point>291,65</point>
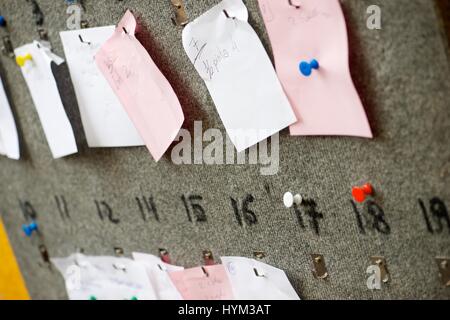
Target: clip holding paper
<point>21,60</point>
<point>292,4</point>
<point>205,272</point>
<point>181,18</point>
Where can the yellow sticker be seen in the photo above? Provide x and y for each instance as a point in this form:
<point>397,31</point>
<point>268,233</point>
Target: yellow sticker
<point>12,286</point>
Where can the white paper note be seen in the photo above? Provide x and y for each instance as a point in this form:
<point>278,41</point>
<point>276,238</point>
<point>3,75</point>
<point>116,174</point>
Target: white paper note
<point>254,280</point>
<point>232,61</point>
<point>44,92</point>
<point>104,278</point>
<point>157,271</point>
<point>105,121</point>
<point>9,139</point>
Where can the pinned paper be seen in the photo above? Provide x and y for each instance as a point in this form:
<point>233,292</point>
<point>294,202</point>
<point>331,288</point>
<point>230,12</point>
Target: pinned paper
<point>35,60</point>
<point>203,283</point>
<point>105,122</point>
<point>230,58</point>
<point>142,89</point>
<point>310,47</point>
<point>104,278</point>
<point>158,273</point>
<point>9,139</point>
<point>253,280</point>
<point>12,284</point>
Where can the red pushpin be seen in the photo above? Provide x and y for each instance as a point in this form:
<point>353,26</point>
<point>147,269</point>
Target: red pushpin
<point>360,193</point>
<point>164,255</point>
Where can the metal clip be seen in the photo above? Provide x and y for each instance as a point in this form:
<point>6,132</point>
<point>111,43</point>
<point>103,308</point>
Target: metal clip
<point>43,35</point>
<point>84,24</point>
<point>208,258</point>
<point>119,252</point>
<point>320,271</point>
<point>444,270</point>
<point>259,255</point>
<point>181,18</point>
<point>44,254</point>
<point>7,48</point>
<point>381,263</point>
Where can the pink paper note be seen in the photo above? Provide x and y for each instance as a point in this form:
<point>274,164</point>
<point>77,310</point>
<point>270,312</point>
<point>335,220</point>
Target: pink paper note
<point>140,86</point>
<point>326,102</point>
<point>195,284</point>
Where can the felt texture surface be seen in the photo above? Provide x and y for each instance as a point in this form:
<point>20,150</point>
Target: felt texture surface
<point>402,75</point>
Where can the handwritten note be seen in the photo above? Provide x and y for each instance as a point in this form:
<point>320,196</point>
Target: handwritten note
<point>254,280</point>
<point>140,86</point>
<point>44,92</point>
<point>203,283</point>
<point>158,273</point>
<point>9,139</point>
<point>326,102</point>
<point>104,278</point>
<point>229,57</point>
<point>105,121</point>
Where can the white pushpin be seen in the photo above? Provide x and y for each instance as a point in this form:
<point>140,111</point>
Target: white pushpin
<point>298,199</point>
<point>288,199</point>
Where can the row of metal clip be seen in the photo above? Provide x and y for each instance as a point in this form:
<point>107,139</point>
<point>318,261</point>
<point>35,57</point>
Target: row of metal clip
<point>180,19</point>
<point>7,48</point>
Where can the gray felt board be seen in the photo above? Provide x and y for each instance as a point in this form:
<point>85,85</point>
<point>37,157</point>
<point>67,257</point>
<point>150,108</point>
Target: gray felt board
<point>402,75</point>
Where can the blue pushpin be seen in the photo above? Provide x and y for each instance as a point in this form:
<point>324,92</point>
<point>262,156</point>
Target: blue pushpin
<point>2,21</point>
<point>29,229</point>
<point>306,68</point>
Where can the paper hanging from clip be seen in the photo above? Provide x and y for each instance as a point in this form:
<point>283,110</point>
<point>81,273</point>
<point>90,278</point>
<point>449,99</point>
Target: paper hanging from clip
<point>36,65</point>
<point>203,283</point>
<point>105,122</point>
<point>324,99</point>
<point>9,138</point>
<point>104,278</point>
<point>254,280</point>
<point>142,89</point>
<point>230,58</point>
<point>158,273</point>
